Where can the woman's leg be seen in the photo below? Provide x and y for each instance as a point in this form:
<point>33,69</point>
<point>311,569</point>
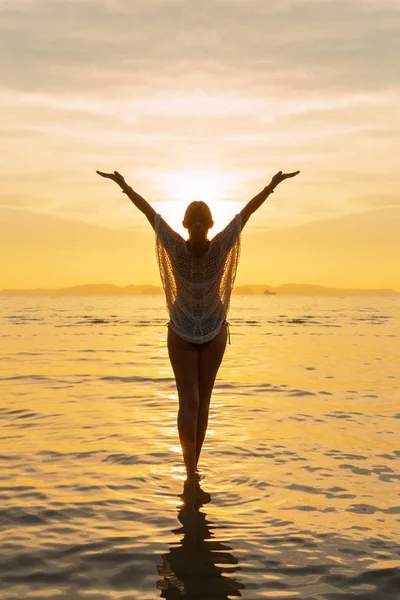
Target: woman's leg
<point>184,361</point>
<point>210,359</point>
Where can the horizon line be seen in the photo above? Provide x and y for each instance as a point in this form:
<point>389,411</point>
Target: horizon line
<point>261,288</point>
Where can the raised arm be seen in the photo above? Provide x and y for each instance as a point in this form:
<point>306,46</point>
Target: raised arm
<point>258,200</point>
<point>137,200</point>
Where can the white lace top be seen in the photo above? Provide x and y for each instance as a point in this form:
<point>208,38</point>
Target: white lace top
<point>197,289</point>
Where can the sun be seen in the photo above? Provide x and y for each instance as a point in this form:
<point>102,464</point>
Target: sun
<point>213,187</point>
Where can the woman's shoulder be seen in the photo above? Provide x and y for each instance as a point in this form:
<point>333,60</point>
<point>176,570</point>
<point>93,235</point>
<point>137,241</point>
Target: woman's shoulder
<point>164,231</point>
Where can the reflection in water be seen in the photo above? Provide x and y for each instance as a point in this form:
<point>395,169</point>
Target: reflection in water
<point>192,569</point>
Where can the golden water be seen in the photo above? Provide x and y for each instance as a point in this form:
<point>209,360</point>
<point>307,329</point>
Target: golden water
<point>301,458</point>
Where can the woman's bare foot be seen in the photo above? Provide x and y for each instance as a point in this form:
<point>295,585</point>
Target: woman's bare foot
<point>192,491</point>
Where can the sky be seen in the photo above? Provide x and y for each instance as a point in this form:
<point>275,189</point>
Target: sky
<point>200,101</point>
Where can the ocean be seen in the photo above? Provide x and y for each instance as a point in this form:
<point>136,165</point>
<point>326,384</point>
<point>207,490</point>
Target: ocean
<point>301,458</point>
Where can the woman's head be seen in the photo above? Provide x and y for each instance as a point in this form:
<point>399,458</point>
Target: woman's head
<point>198,219</point>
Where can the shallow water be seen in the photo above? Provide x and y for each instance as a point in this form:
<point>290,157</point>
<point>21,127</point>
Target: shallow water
<point>301,458</point>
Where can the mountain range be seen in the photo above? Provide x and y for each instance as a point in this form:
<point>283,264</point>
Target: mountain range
<point>286,289</point>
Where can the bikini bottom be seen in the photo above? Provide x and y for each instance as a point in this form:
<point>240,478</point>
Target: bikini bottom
<point>204,344</point>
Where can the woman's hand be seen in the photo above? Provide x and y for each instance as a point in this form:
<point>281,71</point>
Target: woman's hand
<point>137,200</point>
<point>117,177</point>
<point>258,200</point>
<point>276,180</point>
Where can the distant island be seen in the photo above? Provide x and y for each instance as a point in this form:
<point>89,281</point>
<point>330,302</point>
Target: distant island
<point>287,289</point>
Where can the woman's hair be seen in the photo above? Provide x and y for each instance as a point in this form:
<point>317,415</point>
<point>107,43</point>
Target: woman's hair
<point>198,219</point>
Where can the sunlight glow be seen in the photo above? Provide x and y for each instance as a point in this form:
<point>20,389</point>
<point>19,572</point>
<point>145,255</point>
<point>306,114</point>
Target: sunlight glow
<point>213,187</point>
<point>196,184</point>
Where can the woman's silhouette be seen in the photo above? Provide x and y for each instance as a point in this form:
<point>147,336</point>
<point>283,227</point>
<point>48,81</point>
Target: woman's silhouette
<point>197,276</point>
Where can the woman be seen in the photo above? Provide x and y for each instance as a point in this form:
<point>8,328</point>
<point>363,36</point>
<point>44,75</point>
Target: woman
<point>197,276</point>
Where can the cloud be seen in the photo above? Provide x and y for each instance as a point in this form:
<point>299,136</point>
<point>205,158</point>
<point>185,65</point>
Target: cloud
<point>248,85</point>
<point>58,45</point>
